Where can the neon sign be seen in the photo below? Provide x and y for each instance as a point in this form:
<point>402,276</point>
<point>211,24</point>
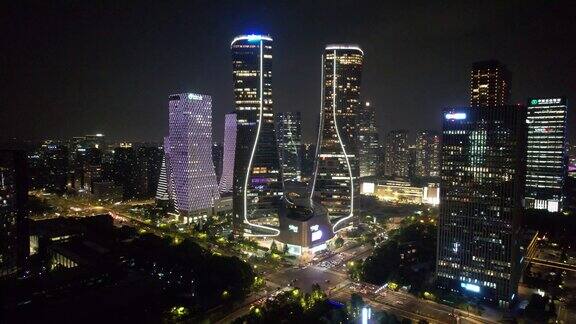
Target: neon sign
<point>546,101</point>
<point>192,96</point>
<point>455,116</point>
<point>470,287</point>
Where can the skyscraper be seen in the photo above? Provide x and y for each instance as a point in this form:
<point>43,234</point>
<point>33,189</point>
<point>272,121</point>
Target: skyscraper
<point>229,151</point>
<point>217,155</point>
<point>397,155</point>
<point>546,160</point>
<point>257,180</point>
<point>14,240</point>
<point>289,135</point>
<point>191,180</point>
<point>368,141</point>
<point>490,83</point>
<point>427,154</point>
<point>334,182</point>
<point>482,181</point>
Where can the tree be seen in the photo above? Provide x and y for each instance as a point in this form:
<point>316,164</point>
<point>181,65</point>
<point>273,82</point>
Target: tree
<point>339,242</point>
<point>273,247</point>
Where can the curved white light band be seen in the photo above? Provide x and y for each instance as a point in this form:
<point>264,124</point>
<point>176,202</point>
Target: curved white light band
<point>251,38</point>
<point>276,231</point>
<point>343,149</point>
<point>320,127</point>
<point>345,47</point>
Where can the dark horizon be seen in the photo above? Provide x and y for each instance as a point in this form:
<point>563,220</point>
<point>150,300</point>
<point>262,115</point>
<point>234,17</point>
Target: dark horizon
<point>72,69</point>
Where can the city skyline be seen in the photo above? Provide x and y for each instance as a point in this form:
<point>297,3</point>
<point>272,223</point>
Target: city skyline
<point>394,76</point>
<point>338,161</point>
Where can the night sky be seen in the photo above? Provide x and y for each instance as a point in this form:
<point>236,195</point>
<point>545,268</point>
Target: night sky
<point>70,68</point>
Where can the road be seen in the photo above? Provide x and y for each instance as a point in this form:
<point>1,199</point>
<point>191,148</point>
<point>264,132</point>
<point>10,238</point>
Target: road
<point>301,277</point>
<point>408,306</point>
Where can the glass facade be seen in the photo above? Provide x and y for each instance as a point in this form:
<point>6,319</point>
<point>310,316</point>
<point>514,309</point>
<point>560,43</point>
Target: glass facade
<point>335,182</point>
<point>482,184</point>
<point>427,154</point>
<point>189,170</point>
<point>289,134</point>
<point>229,152</point>
<point>257,182</point>
<point>368,142</point>
<point>397,155</point>
<point>546,158</point>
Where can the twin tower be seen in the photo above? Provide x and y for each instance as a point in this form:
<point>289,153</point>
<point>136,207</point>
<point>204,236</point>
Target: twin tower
<point>258,188</point>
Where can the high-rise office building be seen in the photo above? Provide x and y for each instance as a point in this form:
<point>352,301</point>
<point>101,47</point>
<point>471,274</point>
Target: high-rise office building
<point>229,151</point>
<point>189,171</point>
<point>14,240</point>
<point>490,83</point>
<point>546,160</point>
<point>334,182</point>
<point>368,141</point>
<point>397,155</point>
<point>217,155</point>
<point>427,160</point>
<point>257,181</point>
<point>482,181</point>
<point>289,135</point>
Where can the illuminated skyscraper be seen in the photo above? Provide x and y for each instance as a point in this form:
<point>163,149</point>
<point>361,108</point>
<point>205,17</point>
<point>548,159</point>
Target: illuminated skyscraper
<point>226,180</point>
<point>482,185</point>
<point>546,160</point>
<point>257,180</point>
<point>289,135</point>
<point>189,171</point>
<point>334,182</point>
<point>397,155</point>
<point>490,83</point>
<point>427,154</point>
<point>368,143</point>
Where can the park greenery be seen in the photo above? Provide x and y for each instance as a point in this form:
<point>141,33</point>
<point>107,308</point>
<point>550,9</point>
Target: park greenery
<point>185,267</point>
<point>406,258</point>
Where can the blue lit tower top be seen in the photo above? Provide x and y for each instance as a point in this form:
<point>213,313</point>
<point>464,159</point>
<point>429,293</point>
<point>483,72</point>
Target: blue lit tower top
<point>257,185</point>
<point>251,38</point>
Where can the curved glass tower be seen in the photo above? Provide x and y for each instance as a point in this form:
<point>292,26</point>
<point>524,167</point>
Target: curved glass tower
<point>336,169</point>
<point>257,182</point>
<point>189,178</point>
